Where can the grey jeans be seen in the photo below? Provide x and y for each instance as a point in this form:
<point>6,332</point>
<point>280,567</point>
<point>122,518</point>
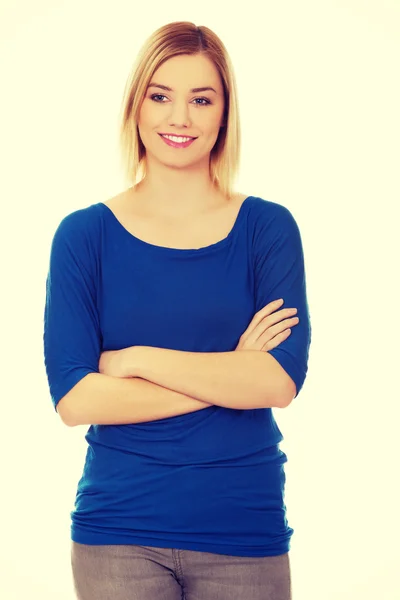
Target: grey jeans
<point>132,572</point>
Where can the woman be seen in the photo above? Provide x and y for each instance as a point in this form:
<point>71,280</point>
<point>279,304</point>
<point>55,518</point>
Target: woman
<point>154,299</point>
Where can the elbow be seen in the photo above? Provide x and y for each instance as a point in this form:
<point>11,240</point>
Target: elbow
<point>288,394</point>
<point>75,408</point>
<point>281,386</point>
<point>71,406</point>
<point>63,409</point>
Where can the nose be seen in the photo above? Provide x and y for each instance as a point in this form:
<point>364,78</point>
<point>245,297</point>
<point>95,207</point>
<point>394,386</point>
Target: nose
<point>179,115</point>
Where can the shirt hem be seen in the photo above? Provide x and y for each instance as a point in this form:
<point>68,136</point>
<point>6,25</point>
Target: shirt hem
<point>92,539</point>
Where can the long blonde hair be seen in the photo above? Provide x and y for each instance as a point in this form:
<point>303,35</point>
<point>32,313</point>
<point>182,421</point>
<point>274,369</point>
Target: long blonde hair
<point>173,39</point>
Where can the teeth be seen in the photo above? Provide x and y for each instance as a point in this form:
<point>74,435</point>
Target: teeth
<point>176,139</point>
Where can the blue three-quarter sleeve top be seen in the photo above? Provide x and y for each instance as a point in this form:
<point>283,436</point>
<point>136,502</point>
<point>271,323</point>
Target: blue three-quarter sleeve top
<point>211,480</point>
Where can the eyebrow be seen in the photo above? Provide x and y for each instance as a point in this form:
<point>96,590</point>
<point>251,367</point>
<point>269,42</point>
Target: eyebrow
<point>193,90</point>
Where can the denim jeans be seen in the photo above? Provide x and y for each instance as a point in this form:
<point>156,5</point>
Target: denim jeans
<point>132,572</point>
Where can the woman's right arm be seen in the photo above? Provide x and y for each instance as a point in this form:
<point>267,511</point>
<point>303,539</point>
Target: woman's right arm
<point>103,400</point>
<point>73,341</point>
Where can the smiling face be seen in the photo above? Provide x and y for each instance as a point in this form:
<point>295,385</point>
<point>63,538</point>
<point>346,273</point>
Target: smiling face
<point>174,104</point>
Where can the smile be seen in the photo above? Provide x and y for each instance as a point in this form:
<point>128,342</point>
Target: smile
<point>175,144</point>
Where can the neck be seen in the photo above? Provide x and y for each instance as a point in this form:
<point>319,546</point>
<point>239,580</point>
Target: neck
<point>174,195</point>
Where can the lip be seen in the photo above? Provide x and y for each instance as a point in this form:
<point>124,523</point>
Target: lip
<point>176,144</point>
<point>177,135</point>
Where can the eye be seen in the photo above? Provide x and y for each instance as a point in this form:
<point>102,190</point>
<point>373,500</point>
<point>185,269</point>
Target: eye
<point>206,100</point>
<point>154,96</point>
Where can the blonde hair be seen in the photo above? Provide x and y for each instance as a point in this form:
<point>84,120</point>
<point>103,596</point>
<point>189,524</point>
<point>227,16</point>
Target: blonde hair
<point>173,39</point>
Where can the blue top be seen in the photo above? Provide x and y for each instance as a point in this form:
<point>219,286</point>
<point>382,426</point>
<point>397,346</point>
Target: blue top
<point>211,480</point>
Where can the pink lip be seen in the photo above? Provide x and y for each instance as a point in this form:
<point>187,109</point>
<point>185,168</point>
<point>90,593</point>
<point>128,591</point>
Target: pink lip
<point>177,144</point>
<point>176,134</point>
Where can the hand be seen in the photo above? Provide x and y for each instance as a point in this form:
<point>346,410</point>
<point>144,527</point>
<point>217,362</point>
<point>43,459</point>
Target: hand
<point>117,363</point>
<point>267,330</point>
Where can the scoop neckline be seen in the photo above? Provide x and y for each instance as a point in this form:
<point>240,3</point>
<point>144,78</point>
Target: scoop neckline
<point>182,251</point>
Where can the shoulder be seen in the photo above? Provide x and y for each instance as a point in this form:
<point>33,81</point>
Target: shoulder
<point>79,231</point>
<point>273,215</point>
<point>80,221</point>
<point>86,222</point>
<point>273,225</point>
<point>268,208</point>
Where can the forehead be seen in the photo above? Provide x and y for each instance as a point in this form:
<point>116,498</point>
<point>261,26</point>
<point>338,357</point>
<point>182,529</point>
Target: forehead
<point>188,71</point>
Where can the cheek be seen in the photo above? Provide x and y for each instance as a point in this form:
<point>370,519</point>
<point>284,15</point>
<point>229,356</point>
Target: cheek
<point>212,121</point>
<point>212,126</point>
<point>144,116</point>
<point>147,114</point>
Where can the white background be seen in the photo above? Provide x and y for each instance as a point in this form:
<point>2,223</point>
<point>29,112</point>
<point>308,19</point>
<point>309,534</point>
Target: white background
<point>319,104</point>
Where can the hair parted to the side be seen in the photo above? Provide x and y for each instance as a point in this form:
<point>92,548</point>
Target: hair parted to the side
<point>174,39</point>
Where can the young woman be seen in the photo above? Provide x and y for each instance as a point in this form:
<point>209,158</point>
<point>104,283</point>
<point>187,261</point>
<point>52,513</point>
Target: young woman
<point>165,332</point>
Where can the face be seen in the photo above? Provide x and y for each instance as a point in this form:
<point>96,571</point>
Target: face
<point>181,111</point>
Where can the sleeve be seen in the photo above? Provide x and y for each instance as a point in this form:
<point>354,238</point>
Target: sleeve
<point>280,273</point>
<point>72,338</point>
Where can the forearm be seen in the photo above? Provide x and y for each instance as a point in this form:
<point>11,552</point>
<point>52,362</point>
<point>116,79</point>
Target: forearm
<point>103,400</point>
<point>240,379</point>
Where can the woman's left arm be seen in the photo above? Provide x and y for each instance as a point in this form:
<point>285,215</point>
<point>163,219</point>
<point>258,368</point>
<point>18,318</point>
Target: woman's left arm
<point>239,379</point>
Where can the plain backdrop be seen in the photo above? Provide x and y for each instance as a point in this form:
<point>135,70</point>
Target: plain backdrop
<point>319,103</point>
